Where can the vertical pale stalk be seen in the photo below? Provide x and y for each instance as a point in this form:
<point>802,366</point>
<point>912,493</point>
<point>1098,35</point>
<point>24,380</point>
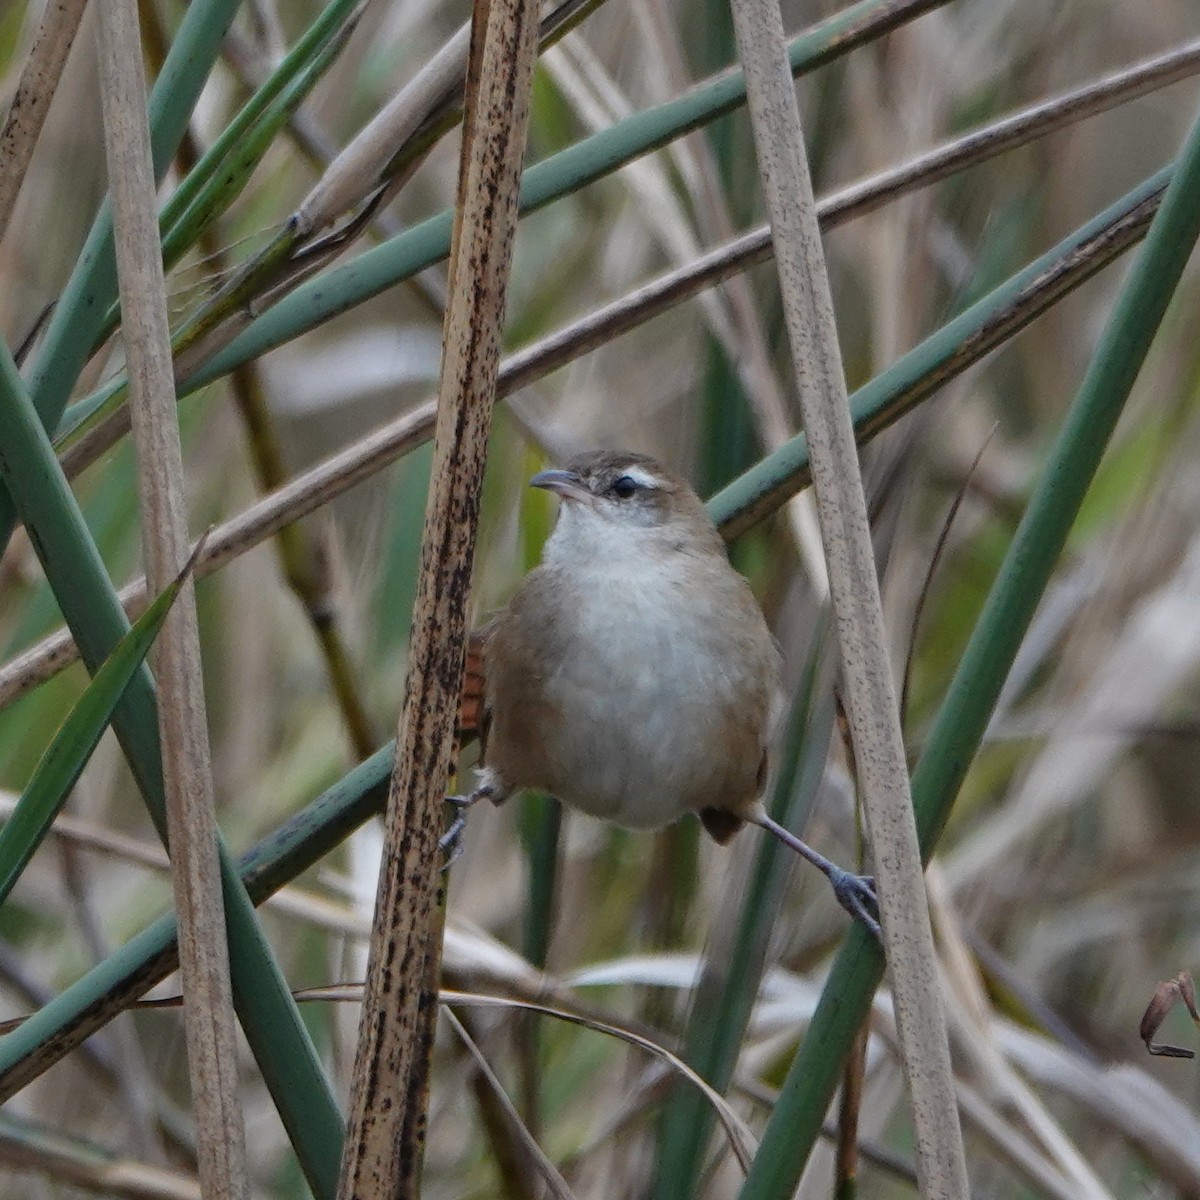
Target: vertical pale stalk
<point>385,1140</point>
<point>187,775</point>
<point>31,101</point>
<point>841,505</point>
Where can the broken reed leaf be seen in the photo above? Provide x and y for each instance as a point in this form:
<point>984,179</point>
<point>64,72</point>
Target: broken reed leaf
<point>1166,994</point>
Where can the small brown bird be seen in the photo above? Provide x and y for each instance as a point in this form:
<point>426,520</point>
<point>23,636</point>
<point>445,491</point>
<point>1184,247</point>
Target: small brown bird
<point>632,675</point>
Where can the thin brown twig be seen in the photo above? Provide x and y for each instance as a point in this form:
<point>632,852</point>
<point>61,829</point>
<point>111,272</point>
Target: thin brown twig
<point>934,559</point>
<point>304,560</point>
<point>849,1114</point>
<point>517,1139</point>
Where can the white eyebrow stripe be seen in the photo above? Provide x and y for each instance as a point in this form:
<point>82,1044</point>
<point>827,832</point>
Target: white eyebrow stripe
<point>641,477</point>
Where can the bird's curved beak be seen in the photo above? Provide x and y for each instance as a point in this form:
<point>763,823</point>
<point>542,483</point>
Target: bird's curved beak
<point>566,484</point>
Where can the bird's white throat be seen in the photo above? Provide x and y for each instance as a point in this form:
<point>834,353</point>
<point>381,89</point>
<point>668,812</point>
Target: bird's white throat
<point>586,538</point>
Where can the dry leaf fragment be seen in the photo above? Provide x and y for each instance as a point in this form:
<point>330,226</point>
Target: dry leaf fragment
<point>1165,996</point>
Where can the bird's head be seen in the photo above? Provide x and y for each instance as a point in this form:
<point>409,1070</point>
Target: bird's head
<point>621,500</point>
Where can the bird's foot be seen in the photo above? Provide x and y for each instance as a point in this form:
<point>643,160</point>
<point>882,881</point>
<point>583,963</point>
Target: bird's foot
<point>856,894</point>
<point>450,843</point>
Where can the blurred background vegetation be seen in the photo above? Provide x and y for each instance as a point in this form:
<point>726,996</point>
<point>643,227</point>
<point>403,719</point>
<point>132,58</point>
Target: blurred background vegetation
<point>1066,883</point>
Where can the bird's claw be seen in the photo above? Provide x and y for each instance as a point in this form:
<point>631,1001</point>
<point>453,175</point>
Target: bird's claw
<point>856,894</point>
<point>450,843</point>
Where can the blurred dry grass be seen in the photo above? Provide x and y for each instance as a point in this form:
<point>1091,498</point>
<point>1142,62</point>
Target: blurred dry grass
<point>1072,867</point>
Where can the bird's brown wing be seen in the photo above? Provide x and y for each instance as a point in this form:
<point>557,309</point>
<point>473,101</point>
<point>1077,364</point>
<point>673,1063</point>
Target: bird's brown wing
<point>473,717</point>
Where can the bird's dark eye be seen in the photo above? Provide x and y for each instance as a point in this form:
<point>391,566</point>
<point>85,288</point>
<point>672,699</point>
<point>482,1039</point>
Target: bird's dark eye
<point>624,487</point>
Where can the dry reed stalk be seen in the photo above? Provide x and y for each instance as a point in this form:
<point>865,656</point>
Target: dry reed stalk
<point>385,1139</point>
<point>187,773</point>
<point>870,693</point>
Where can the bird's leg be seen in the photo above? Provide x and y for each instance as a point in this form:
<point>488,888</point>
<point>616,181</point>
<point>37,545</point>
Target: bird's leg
<point>450,843</point>
<point>855,893</point>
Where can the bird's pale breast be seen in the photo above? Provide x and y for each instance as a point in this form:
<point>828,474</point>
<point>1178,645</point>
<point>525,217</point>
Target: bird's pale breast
<point>640,662</point>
